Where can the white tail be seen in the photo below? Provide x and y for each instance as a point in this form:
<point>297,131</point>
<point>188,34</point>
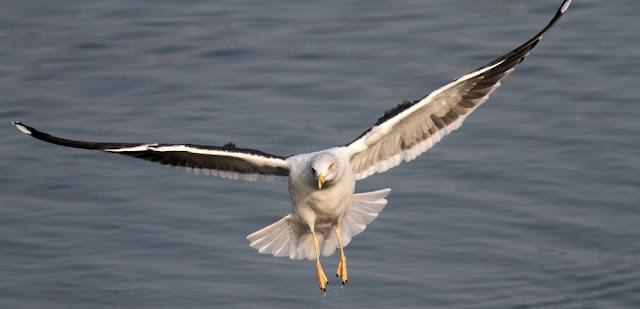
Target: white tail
<point>288,237</point>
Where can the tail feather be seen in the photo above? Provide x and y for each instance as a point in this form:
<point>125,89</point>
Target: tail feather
<point>287,237</point>
<point>372,196</point>
<point>258,235</point>
<point>274,236</point>
<point>277,241</point>
<point>364,209</point>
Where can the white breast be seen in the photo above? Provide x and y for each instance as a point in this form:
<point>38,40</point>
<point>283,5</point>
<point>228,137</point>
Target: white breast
<point>328,204</point>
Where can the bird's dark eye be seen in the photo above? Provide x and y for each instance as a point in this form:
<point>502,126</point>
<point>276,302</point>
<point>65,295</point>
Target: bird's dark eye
<point>332,166</point>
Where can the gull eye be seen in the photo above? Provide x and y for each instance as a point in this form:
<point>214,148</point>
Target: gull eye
<point>332,167</point>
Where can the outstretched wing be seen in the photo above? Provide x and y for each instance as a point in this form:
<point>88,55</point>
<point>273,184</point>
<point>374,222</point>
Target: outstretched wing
<point>411,128</point>
<point>227,161</point>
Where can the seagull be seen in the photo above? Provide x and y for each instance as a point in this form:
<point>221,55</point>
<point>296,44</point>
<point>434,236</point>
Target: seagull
<point>326,212</point>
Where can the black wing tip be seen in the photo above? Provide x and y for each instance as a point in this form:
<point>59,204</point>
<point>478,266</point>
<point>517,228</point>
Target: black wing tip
<point>563,8</point>
<point>23,128</point>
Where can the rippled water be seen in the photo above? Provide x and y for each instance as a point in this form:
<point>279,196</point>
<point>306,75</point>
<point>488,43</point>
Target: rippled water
<point>533,203</point>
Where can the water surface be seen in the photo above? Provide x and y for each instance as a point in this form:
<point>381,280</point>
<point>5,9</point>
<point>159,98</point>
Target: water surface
<point>532,204</point>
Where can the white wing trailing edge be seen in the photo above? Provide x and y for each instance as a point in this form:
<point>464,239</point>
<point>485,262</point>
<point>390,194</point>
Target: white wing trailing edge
<point>411,128</point>
<point>227,161</point>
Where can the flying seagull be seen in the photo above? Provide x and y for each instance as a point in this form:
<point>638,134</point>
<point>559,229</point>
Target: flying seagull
<point>326,212</point>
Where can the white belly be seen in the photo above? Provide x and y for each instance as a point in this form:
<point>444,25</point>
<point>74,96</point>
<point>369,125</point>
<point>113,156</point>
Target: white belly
<point>319,212</point>
<point>329,204</point>
<point>320,207</point>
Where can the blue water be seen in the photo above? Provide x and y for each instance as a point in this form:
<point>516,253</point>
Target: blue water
<point>533,203</point>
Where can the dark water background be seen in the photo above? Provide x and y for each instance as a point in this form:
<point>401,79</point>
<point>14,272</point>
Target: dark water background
<point>532,204</point>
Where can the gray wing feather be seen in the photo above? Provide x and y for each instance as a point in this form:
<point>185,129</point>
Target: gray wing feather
<point>412,128</point>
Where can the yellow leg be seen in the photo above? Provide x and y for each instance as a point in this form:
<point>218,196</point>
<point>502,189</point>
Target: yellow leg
<point>322,278</point>
<point>342,264</point>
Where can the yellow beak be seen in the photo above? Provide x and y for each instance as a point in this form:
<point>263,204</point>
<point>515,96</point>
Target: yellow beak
<point>321,179</point>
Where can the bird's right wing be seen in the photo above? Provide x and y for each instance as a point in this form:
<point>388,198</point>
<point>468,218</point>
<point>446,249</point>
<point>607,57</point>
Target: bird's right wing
<point>227,161</point>
<point>412,128</point>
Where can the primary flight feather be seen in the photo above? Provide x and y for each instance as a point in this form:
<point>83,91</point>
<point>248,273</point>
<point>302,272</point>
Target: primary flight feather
<point>326,212</point>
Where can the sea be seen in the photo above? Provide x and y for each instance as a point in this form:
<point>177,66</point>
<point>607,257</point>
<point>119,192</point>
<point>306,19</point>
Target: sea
<point>532,203</point>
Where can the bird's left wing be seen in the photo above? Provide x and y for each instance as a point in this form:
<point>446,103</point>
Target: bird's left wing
<point>227,161</point>
<point>411,128</point>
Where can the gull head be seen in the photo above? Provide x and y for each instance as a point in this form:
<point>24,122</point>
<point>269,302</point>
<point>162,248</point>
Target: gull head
<point>324,167</point>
